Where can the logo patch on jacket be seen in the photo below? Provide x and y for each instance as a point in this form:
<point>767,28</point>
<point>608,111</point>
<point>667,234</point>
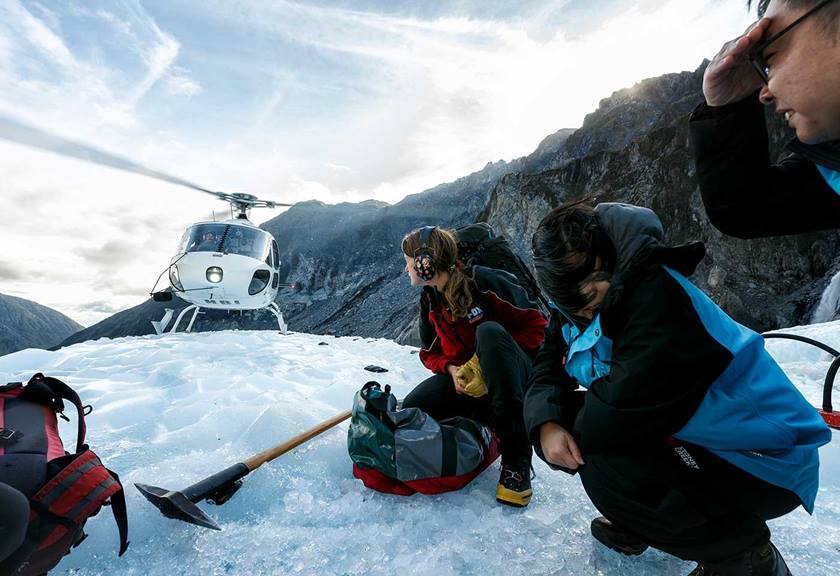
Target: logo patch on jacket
<point>475,314</point>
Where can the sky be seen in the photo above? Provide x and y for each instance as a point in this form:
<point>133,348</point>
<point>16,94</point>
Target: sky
<point>333,100</point>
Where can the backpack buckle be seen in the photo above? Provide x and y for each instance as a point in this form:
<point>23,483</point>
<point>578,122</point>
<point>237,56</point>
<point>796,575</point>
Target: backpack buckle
<point>8,436</point>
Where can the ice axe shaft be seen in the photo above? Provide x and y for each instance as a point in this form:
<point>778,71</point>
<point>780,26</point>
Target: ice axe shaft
<point>258,460</point>
<point>218,488</point>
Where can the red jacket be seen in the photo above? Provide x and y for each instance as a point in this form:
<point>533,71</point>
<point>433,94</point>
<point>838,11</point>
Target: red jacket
<point>497,298</point>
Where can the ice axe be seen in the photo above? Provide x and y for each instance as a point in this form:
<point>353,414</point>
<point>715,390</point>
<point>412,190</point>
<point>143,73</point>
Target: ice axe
<point>218,488</point>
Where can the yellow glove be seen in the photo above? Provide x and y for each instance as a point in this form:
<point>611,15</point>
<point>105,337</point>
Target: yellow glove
<point>470,379</point>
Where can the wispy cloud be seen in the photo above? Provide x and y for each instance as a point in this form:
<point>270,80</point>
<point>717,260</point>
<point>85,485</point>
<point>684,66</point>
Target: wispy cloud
<point>179,83</point>
<point>10,272</point>
<point>112,253</point>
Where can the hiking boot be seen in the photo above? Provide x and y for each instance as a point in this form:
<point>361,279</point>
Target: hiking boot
<point>762,560</point>
<point>514,487</point>
<point>615,538</point>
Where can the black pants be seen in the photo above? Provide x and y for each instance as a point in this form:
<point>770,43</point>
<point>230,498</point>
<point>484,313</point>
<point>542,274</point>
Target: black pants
<point>505,368</point>
<point>14,518</point>
<point>707,512</point>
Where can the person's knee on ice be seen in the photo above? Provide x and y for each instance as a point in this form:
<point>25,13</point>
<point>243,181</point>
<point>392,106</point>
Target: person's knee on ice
<point>14,519</point>
<point>486,331</point>
<point>675,466</point>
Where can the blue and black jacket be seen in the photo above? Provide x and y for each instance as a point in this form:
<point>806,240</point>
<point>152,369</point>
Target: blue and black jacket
<point>748,196</point>
<point>663,361</point>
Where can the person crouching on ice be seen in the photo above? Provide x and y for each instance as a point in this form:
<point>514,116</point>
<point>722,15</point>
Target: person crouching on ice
<point>480,333</point>
<point>689,436</point>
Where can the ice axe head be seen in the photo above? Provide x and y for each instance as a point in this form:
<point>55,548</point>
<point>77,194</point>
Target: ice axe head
<point>175,505</point>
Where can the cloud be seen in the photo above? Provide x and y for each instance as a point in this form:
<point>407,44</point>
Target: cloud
<point>113,253</point>
<point>10,272</point>
<point>179,83</point>
<point>426,99</point>
<point>100,307</point>
<point>120,287</point>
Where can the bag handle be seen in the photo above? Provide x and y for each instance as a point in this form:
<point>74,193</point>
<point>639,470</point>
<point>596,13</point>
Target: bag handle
<point>52,392</point>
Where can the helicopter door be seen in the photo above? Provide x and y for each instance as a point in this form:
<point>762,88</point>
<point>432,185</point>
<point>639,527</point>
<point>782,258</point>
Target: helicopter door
<point>275,253</point>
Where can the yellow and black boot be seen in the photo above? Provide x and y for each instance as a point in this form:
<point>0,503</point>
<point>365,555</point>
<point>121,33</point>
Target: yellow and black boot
<point>514,487</point>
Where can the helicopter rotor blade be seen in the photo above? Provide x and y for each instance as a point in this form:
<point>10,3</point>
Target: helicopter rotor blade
<point>20,133</point>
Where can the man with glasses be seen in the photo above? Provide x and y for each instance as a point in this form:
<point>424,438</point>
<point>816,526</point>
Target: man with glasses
<point>789,59</point>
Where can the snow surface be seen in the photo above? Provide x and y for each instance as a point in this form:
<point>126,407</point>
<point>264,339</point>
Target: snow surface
<point>172,409</point>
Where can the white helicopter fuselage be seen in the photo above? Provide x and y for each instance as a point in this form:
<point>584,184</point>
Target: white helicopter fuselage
<point>230,265</point>
<point>231,293</point>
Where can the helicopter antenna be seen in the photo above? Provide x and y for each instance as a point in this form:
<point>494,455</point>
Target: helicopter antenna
<point>20,133</point>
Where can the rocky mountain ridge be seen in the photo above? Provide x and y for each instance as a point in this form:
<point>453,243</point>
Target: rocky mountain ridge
<point>633,148</point>
<point>27,324</point>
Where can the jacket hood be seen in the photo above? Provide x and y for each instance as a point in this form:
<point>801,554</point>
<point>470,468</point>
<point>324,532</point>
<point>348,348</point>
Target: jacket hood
<point>636,234</point>
<point>631,229</point>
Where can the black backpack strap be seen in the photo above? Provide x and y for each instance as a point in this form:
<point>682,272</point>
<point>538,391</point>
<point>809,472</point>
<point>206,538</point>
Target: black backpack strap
<point>118,507</point>
<point>449,452</point>
<point>52,392</point>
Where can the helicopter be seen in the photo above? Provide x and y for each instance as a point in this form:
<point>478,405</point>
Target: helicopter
<point>227,265</point>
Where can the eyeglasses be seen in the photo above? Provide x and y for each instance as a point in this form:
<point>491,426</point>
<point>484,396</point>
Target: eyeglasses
<point>756,55</point>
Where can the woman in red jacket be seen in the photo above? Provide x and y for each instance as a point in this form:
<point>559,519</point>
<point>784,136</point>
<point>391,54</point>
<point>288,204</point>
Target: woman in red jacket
<point>480,334</point>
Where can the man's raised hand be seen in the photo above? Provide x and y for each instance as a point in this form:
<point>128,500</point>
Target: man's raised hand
<point>730,76</point>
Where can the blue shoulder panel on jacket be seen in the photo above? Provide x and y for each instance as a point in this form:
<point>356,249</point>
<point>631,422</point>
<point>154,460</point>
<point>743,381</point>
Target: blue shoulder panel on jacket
<point>752,415</point>
<point>832,177</point>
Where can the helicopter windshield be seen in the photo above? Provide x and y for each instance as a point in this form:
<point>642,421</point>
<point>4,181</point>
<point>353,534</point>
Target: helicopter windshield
<point>217,237</point>
<point>247,242</point>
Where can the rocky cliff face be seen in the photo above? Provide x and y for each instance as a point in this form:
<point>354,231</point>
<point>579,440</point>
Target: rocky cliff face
<point>26,324</point>
<point>346,256</point>
<point>348,259</point>
<point>633,148</point>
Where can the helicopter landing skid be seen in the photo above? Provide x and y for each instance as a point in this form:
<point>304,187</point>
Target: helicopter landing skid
<point>280,322</point>
<point>160,326</point>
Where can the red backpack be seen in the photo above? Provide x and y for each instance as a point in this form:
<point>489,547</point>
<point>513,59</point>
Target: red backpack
<point>63,489</point>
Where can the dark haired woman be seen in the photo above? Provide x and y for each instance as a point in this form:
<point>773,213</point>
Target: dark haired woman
<point>689,436</point>
<point>480,322</point>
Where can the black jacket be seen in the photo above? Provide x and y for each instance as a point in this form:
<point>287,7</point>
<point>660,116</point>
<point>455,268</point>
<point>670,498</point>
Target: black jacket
<point>663,359</point>
<point>747,196</point>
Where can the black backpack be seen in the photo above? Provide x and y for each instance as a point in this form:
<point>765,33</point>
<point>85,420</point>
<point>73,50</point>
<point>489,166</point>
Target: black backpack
<point>64,489</point>
<point>478,245</point>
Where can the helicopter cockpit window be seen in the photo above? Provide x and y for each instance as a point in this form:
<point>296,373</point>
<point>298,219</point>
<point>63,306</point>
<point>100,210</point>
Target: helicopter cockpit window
<point>204,238</point>
<point>218,237</point>
<point>247,242</point>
